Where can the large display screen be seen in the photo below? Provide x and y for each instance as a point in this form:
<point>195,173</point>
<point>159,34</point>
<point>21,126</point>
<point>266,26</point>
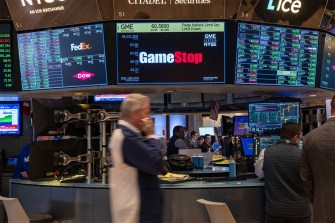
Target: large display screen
<point>267,118</point>
<point>270,55</point>
<point>10,118</point>
<point>6,76</point>
<point>61,58</point>
<point>328,64</point>
<point>171,53</point>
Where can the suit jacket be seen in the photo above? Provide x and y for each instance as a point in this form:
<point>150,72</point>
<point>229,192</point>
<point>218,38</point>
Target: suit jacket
<point>318,171</point>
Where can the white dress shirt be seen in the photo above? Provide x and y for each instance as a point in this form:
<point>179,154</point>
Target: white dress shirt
<point>259,165</point>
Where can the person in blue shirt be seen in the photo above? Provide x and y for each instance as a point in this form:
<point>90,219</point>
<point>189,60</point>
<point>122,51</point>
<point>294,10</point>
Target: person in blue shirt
<point>21,170</point>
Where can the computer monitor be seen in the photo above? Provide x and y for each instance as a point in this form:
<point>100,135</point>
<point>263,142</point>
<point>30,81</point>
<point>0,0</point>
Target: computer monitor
<point>10,118</point>
<point>63,58</point>
<point>41,157</point>
<point>109,98</point>
<point>247,144</point>
<point>206,130</point>
<point>241,125</point>
<point>268,117</point>
<point>264,142</point>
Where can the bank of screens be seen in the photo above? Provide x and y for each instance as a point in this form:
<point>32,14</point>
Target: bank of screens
<point>206,130</point>
<point>241,125</point>
<point>6,74</point>
<point>247,144</point>
<point>109,97</point>
<point>267,118</point>
<point>272,55</point>
<point>328,64</point>
<point>170,53</point>
<point>61,58</point>
<point>10,118</point>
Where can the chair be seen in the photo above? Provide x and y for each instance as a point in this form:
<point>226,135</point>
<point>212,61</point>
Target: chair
<point>218,212</point>
<point>16,213</point>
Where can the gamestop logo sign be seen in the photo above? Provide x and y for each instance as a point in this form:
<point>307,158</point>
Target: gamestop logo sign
<point>83,75</point>
<point>285,5</point>
<point>81,46</point>
<point>176,57</point>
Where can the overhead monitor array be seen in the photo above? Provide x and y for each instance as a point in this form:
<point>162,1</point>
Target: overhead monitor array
<point>170,52</point>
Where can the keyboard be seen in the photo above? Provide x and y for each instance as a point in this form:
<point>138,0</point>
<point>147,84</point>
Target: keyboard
<point>218,179</point>
<point>73,179</point>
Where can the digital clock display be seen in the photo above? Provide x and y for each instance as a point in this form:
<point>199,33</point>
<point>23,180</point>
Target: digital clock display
<point>173,52</point>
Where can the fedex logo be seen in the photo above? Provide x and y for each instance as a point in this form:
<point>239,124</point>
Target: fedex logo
<point>176,57</point>
<point>83,75</point>
<point>30,2</point>
<point>285,6</point>
<point>81,46</point>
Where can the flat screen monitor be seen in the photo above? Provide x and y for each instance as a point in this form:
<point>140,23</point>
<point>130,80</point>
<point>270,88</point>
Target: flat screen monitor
<point>62,58</point>
<point>6,60</point>
<point>247,144</point>
<point>109,97</point>
<point>10,118</point>
<point>264,142</point>
<point>328,65</point>
<point>273,55</point>
<point>170,52</point>
<point>41,159</point>
<point>267,118</point>
<point>241,125</point>
<point>206,130</point>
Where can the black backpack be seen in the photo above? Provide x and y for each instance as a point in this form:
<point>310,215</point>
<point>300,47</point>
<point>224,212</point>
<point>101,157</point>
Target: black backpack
<point>180,162</point>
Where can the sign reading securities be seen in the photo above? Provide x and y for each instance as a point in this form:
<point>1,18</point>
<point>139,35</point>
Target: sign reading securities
<point>170,52</point>
<point>60,58</point>
<point>36,14</point>
<point>175,9</point>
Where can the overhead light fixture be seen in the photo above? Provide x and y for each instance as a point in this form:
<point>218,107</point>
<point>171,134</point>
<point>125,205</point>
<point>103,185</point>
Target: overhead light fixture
<point>312,95</point>
<point>169,90</point>
<point>187,90</point>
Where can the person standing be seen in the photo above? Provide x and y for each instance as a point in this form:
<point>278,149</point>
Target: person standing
<point>177,140</point>
<point>285,199</point>
<point>21,170</point>
<point>317,169</point>
<point>136,154</point>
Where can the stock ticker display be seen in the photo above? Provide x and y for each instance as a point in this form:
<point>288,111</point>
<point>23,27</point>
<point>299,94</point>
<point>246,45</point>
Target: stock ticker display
<point>328,64</point>
<point>6,78</point>
<point>61,58</point>
<point>267,118</point>
<point>270,55</point>
<point>171,52</point>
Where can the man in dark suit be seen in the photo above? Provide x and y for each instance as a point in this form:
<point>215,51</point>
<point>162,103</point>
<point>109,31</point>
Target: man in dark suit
<point>317,169</point>
<point>206,146</point>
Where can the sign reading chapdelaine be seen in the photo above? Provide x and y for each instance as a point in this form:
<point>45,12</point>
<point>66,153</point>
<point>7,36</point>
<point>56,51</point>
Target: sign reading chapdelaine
<point>170,9</point>
<point>36,14</point>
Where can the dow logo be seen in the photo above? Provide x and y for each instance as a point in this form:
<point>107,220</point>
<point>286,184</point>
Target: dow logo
<point>285,5</point>
<point>83,75</point>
